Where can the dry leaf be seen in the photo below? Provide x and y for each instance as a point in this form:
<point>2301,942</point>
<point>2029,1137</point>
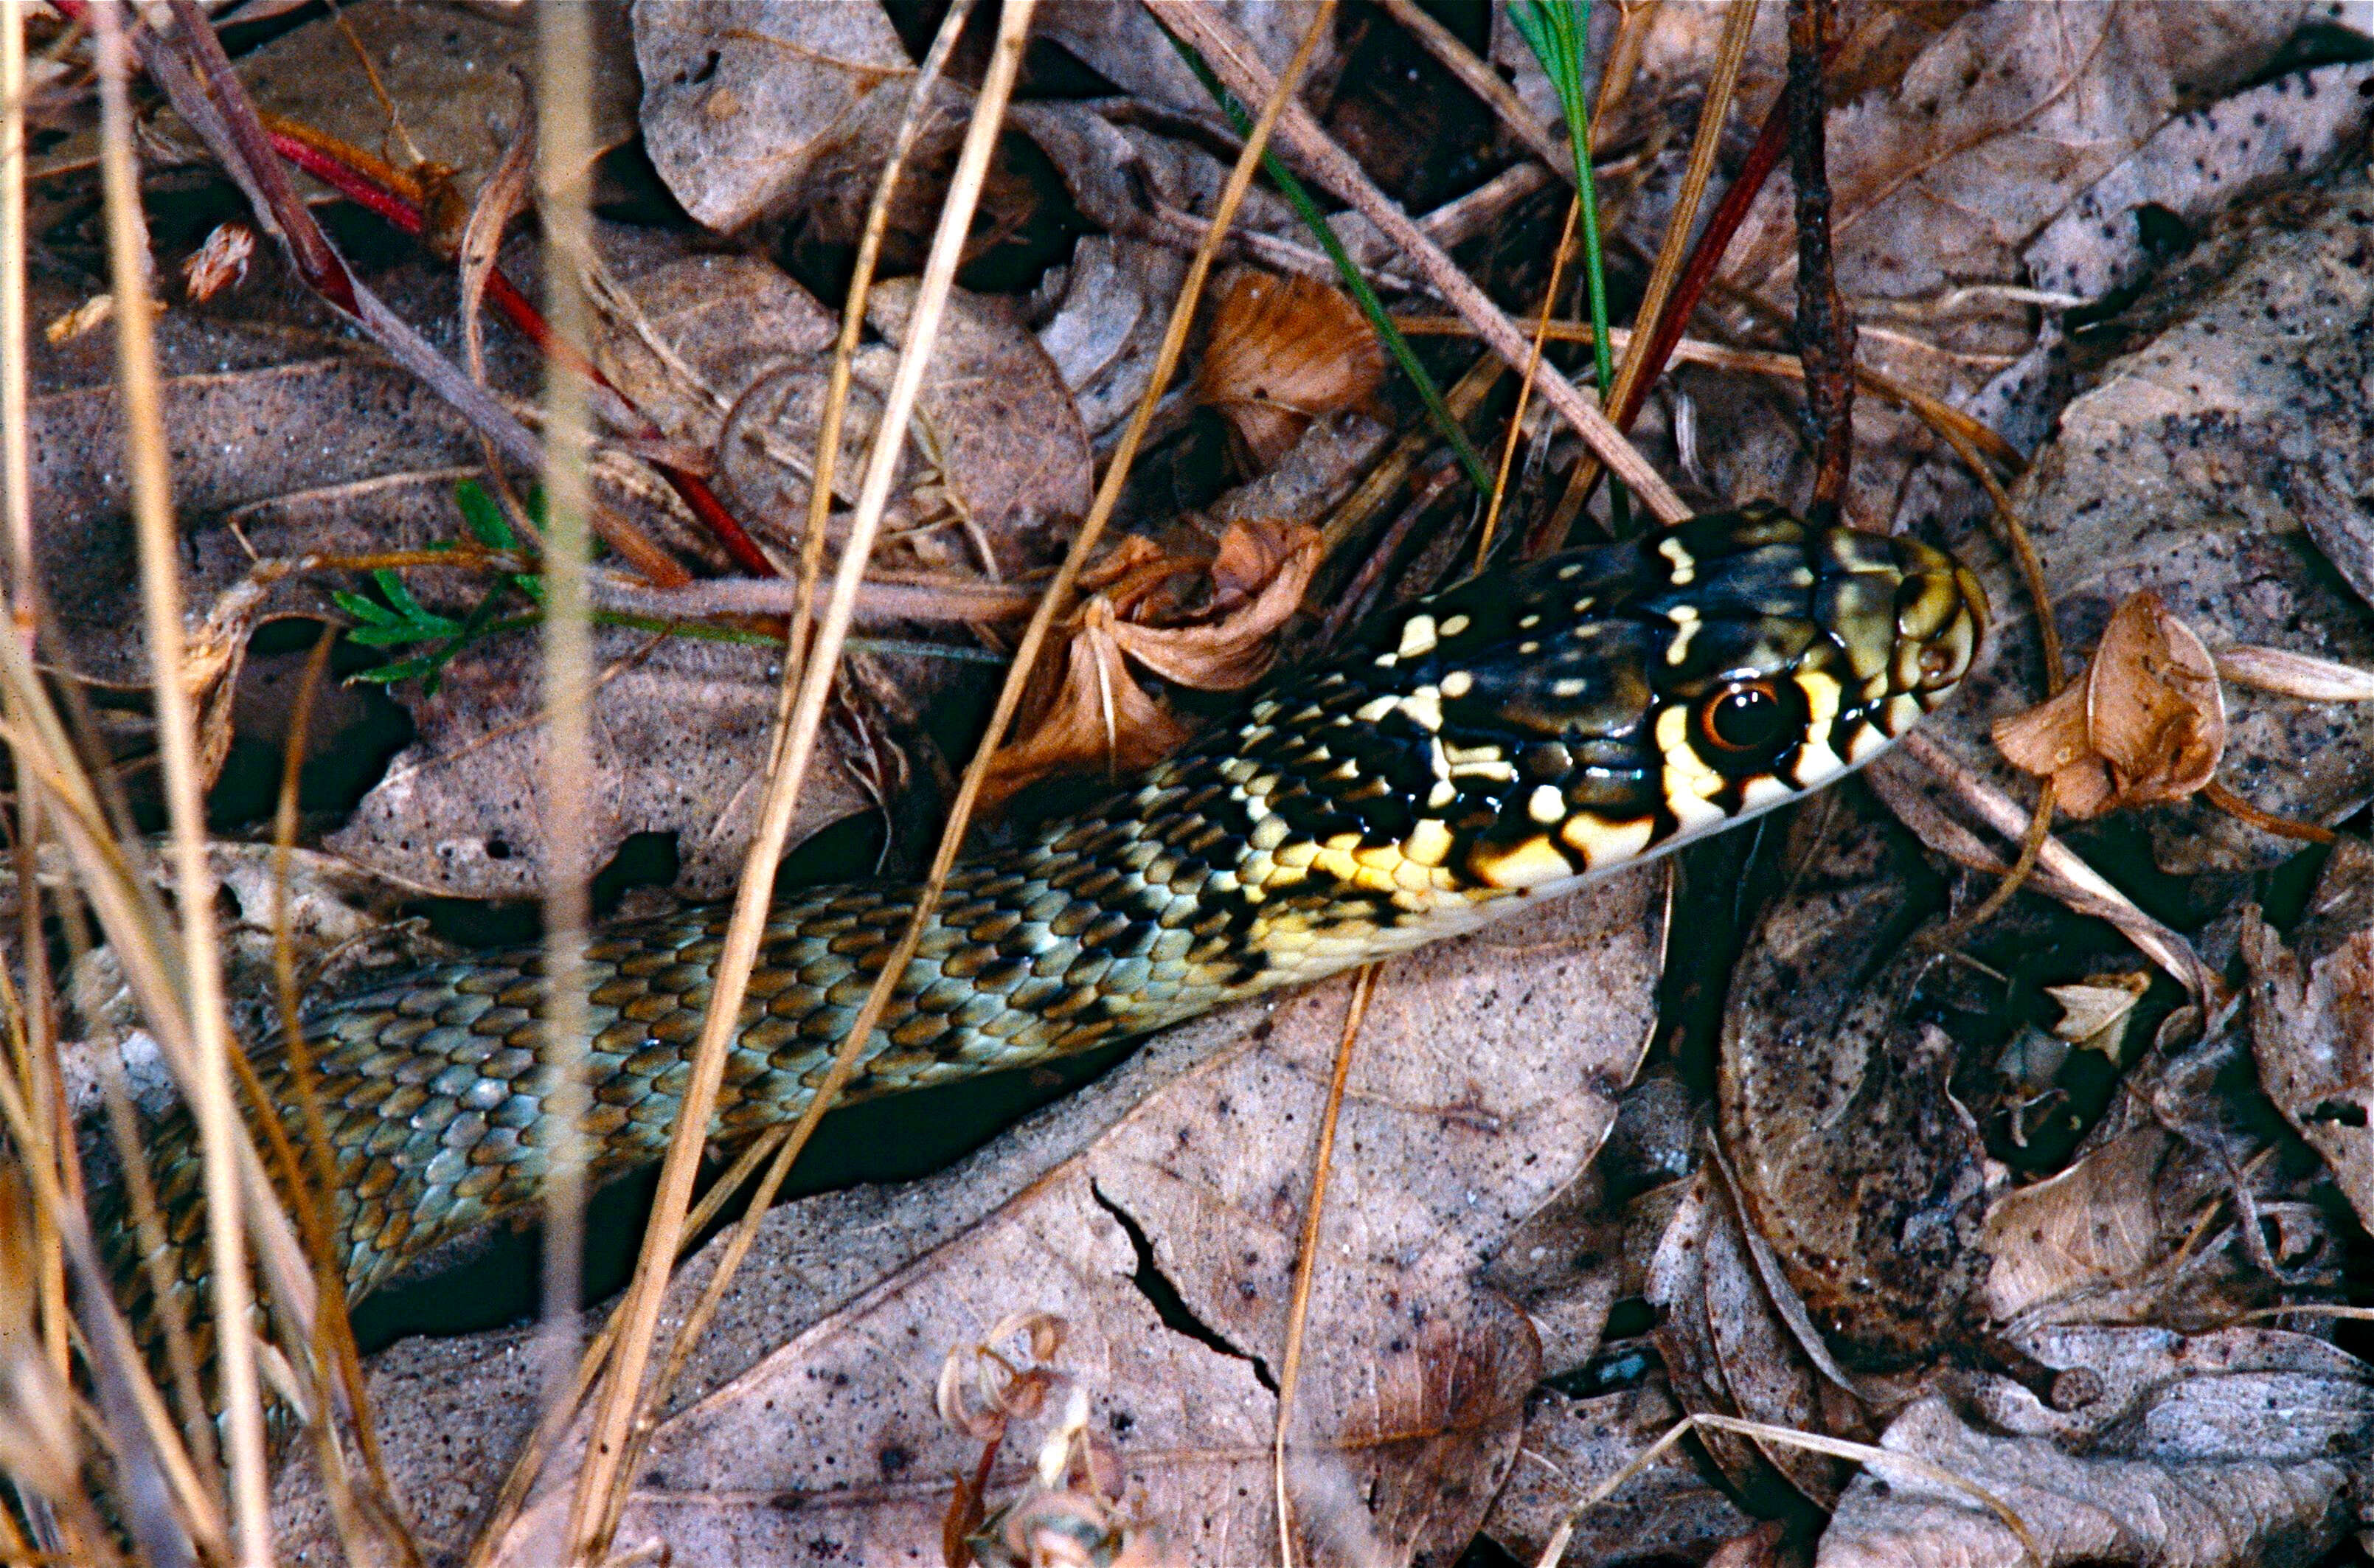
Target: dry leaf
<point>996,423</point>
<point>2226,1450</point>
<point>1996,126</point>
<point>1099,715</point>
<point>1284,350</point>
<point>1573,1446</point>
<point>219,264</point>
<point>1847,1151</point>
<point>2146,724</point>
<point>1729,1346</point>
<point>1478,1094</point>
<point>2096,1223</point>
<point>2190,468</point>
<point>451,76</point>
<point>92,313</point>
<point>680,733</point>
<point>2094,1013</point>
<point>2295,675</point>
<point>1143,609</point>
<point>744,106</point>
<point>2312,1031</point>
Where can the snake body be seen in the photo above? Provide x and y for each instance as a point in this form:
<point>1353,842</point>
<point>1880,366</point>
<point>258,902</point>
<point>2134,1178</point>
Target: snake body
<point>1504,740</point>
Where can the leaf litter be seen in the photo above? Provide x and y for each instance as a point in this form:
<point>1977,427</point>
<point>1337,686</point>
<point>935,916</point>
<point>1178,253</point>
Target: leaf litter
<point>1987,1198</point>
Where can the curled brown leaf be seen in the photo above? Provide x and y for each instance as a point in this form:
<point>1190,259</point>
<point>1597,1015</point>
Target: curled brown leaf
<point>2146,723</point>
<point>1285,350</point>
<point>1206,623</point>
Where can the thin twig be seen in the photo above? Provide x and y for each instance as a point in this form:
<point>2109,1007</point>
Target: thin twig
<point>160,594</point>
<point>2005,816</point>
<point>1306,1261</point>
<point>1976,445</point>
<point>1231,55</point>
<point>1478,76</point>
<point>1826,331</point>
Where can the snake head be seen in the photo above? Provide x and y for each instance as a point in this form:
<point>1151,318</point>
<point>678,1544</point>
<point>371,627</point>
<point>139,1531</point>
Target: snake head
<point>1617,700</point>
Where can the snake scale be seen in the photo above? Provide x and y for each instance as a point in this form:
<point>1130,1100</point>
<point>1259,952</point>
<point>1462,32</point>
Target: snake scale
<point>1505,739</point>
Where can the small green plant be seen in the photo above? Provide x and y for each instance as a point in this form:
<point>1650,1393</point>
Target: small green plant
<point>396,620</point>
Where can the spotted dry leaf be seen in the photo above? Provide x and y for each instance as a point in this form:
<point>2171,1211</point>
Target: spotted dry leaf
<point>1285,350</point>
<point>1206,624</point>
<point>2146,724</point>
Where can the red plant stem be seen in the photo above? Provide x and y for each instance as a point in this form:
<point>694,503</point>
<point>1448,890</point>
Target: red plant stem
<point>515,308</point>
<point>403,213</point>
<point>1704,256</point>
<point>350,183</point>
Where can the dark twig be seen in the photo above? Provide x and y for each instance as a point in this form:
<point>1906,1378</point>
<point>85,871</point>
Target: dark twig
<point>1826,329</point>
<point>1355,600</point>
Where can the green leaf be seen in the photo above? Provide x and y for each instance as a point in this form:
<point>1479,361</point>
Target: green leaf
<point>394,636</point>
<point>388,675</point>
<point>482,518</point>
<point>411,610</point>
<point>361,608</point>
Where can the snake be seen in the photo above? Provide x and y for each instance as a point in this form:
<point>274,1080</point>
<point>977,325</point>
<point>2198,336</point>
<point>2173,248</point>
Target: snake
<point>1466,754</point>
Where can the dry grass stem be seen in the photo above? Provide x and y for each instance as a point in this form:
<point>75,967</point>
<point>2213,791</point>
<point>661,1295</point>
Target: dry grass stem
<point>886,598</point>
<point>43,1087</point>
<point>160,593</point>
<point>554,1423</point>
<point>601,1485</point>
<point>1233,58</point>
<point>563,160</point>
<point>1526,383</point>
<point>1306,1259</point>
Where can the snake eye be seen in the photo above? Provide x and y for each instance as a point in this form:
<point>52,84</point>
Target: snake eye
<point>1745,715</point>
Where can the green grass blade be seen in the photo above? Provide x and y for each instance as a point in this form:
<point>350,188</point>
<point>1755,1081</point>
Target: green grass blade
<point>1558,32</point>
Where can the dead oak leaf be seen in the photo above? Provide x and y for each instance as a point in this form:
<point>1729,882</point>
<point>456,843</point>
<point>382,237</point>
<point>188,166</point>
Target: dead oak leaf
<point>2146,723</point>
<point>1145,611</point>
<point>1283,351</point>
